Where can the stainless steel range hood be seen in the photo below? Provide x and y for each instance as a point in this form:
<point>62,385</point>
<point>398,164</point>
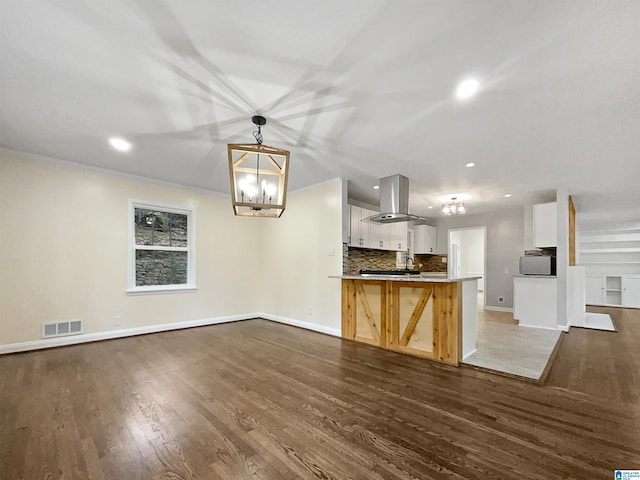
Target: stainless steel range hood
<point>394,201</point>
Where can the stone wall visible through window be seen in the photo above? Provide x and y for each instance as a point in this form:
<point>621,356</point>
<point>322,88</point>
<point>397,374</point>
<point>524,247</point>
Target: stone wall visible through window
<point>161,247</point>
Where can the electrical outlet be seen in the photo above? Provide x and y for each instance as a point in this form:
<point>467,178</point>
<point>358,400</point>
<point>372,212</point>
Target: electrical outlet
<point>309,311</point>
<point>500,299</point>
<point>116,320</point>
<point>332,252</point>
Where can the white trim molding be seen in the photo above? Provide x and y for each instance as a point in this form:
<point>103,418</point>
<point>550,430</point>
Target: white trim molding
<point>469,354</point>
<point>190,249</point>
<point>542,328</point>
<point>336,332</point>
<point>121,333</point>
<point>130,332</point>
<point>498,309</point>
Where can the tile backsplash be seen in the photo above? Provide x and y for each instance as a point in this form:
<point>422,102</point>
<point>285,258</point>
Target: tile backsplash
<point>431,263</point>
<point>356,259</point>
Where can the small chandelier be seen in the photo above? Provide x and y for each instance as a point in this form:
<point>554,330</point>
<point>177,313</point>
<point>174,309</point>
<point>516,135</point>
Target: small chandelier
<point>453,208</point>
<point>258,176</point>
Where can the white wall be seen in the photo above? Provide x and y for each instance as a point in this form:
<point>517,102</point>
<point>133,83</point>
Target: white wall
<point>63,252</point>
<point>296,258</point>
<point>505,240</point>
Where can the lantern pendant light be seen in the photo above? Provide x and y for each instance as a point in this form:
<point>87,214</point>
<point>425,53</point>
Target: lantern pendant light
<point>258,176</point>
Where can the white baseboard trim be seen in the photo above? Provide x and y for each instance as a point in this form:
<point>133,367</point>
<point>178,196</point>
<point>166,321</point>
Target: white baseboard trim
<point>336,332</point>
<point>125,332</point>
<point>469,354</point>
<point>130,332</point>
<point>498,309</point>
<point>541,328</point>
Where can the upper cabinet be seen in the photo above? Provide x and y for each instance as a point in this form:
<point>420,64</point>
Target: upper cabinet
<point>398,236</point>
<point>545,225</point>
<point>424,237</point>
<point>380,236</point>
<point>360,231</point>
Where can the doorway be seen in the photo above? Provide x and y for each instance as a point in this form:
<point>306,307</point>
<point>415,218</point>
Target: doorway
<point>467,256</point>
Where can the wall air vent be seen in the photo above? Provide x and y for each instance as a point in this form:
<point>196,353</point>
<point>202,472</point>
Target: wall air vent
<point>61,329</point>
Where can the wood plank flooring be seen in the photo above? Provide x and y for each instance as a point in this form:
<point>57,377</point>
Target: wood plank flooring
<point>259,400</point>
<point>599,363</point>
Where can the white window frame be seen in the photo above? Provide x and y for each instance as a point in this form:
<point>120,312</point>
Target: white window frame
<point>190,286</point>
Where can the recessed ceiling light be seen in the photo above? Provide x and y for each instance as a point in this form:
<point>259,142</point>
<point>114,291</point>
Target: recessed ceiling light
<point>376,187</point>
<point>467,88</point>
<point>470,164</point>
<point>507,195</point>
<point>120,144</point>
<point>430,206</point>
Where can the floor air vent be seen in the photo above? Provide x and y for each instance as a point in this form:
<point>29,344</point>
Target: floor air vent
<point>61,329</point>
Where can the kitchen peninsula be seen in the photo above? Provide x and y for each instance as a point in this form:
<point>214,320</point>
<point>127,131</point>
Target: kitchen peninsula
<point>424,315</point>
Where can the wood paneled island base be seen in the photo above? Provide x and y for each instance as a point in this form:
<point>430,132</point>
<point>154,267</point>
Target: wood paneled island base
<point>418,316</point>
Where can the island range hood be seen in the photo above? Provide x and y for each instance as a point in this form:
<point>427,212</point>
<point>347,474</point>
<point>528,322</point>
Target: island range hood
<point>394,201</point>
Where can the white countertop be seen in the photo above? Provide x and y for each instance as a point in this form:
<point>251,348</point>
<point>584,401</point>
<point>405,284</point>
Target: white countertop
<point>406,278</point>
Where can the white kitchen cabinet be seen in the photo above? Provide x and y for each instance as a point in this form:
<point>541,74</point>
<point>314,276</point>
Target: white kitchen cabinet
<point>535,301</point>
<point>379,236</point>
<point>631,291</point>
<point>424,237</point>
<point>545,225</point>
<point>593,290</point>
<point>360,234</point>
<point>398,236</point>
<point>388,236</point>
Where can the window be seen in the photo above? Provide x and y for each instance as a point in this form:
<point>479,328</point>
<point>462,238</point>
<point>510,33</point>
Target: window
<point>161,248</point>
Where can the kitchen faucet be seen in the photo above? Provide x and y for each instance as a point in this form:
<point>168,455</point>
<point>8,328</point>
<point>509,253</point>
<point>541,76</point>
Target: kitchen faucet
<point>406,262</point>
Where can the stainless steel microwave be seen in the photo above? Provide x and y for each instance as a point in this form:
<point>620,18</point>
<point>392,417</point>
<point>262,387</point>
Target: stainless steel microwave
<point>537,265</point>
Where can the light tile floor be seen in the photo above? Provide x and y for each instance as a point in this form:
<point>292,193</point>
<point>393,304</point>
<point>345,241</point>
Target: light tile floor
<point>504,346</point>
<point>598,321</point>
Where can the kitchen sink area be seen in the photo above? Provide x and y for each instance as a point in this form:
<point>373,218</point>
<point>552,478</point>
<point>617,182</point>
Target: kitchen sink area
<point>386,273</point>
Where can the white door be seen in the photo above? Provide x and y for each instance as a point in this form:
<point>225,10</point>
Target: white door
<point>631,292</point>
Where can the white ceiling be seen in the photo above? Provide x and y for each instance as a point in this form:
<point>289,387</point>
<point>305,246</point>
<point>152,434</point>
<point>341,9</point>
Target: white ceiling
<point>357,89</point>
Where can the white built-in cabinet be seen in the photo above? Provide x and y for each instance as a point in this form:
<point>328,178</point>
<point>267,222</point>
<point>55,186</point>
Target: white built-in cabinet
<point>611,254</point>
<point>380,236</point>
<point>613,290</point>
<point>631,291</point>
<point>398,233</point>
<point>424,238</point>
<point>545,225</point>
<point>360,231</point>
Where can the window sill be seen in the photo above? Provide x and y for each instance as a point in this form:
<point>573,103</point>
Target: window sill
<point>161,290</point>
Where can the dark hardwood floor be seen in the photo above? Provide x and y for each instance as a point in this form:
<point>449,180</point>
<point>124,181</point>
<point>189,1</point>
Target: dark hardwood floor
<point>602,364</point>
<point>259,400</point>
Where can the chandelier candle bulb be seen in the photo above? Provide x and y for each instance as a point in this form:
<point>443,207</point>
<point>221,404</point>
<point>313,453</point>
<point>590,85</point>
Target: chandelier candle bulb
<point>453,208</point>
